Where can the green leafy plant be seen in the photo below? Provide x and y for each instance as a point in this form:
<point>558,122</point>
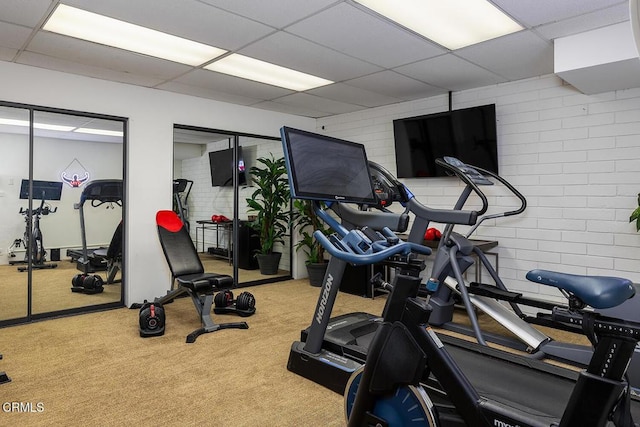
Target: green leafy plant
<point>269,201</point>
<point>306,221</point>
<point>635,216</point>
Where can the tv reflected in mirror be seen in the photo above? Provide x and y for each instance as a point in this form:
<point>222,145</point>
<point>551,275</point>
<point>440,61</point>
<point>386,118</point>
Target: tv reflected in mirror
<point>221,166</point>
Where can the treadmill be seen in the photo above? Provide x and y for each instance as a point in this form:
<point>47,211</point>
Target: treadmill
<point>331,350</point>
<point>96,193</point>
<point>342,342</point>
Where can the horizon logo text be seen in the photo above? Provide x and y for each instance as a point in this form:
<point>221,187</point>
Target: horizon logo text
<point>498,423</point>
<point>325,297</point>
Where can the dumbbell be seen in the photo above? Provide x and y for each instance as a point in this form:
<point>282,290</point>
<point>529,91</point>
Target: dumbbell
<point>244,305</point>
<point>152,319</point>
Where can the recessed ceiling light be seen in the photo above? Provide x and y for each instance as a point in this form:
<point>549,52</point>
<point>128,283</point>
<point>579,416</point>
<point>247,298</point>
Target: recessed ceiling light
<point>451,23</point>
<point>265,72</point>
<point>81,24</point>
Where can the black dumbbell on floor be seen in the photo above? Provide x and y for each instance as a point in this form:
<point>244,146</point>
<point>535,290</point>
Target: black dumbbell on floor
<point>244,305</point>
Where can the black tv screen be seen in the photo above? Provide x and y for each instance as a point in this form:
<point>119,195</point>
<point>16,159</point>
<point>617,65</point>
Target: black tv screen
<point>221,165</point>
<point>468,134</point>
<point>326,169</point>
<point>42,190</point>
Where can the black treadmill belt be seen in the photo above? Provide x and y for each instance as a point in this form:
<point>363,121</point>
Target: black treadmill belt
<point>527,385</point>
<point>541,394</point>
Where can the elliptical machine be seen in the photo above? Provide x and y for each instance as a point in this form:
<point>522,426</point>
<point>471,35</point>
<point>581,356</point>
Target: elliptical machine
<point>456,254</point>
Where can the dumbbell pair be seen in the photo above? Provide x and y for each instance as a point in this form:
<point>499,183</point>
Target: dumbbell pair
<point>244,305</point>
<point>87,283</point>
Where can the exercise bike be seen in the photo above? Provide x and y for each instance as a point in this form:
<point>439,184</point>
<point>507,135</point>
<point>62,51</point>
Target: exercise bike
<point>412,378</point>
<point>32,238</point>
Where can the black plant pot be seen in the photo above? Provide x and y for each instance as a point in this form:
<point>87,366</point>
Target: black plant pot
<point>268,263</point>
<point>316,273</point>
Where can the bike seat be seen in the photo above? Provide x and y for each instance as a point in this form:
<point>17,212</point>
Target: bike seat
<point>596,291</point>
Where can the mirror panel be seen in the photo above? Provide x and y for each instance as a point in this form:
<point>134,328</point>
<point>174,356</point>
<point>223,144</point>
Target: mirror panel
<point>75,151</point>
<point>14,166</point>
<point>213,240</point>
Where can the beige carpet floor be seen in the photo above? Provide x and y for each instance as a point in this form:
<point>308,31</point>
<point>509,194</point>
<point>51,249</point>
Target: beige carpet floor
<point>95,369</point>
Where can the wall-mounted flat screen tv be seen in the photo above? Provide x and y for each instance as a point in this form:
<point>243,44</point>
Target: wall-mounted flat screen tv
<point>468,134</point>
<point>221,165</point>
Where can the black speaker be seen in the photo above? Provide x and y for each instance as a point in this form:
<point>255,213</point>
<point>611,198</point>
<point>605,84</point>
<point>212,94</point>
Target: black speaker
<point>248,244</point>
<point>55,254</point>
<point>357,279</point>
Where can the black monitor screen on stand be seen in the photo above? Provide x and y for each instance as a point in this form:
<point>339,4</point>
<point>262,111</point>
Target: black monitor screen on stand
<point>327,169</point>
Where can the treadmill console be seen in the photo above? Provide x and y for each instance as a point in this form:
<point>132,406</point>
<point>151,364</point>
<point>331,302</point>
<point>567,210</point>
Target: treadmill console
<point>386,187</point>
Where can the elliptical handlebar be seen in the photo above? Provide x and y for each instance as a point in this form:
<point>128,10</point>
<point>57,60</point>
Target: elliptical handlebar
<point>474,176</point>
<point>523,200</point>
<point>469,176</point>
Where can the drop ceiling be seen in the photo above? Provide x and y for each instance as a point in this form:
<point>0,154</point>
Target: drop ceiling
<point>372,61</point>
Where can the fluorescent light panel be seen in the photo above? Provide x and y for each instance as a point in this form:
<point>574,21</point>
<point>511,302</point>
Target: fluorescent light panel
<point>81,24</point>
<point>100,131</point>
<point>451,23</point>
<point>265,72</point>
<point>44,126</point>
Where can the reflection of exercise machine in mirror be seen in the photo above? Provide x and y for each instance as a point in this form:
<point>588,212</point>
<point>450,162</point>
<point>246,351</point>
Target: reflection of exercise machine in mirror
<point>32,239</point>
<point>181,191</point>
<point>98,192</point>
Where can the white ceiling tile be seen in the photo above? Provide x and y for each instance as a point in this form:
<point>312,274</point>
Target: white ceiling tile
<point>190,19</point>
<point>533,13</point>
<point>275,13</point>
<point>450,72</point>
<point>318,103</point>
<point>96,55</point>
<point>395,85</point>
<point>24,12</point>
<point>353,95</point>
<point>51,63</point>
<point>290,109</point>
<point>207,92</point>
<point>7,54</point>
<point>13,36</point>
<point>587,22</point>
<point>232,85</point>
<point>290,51</point>
<point>516,56</point>
<point>356,33</point>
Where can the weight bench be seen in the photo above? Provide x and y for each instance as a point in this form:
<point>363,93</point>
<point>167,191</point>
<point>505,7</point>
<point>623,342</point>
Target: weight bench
<point>187,270</point>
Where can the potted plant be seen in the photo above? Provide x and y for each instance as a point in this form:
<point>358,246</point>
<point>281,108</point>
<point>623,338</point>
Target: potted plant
<point>270,204</point>
<point>635,215</point>
<point>306,220</point>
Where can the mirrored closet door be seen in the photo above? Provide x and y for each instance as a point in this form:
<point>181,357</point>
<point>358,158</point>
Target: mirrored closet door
<point>63,175</point>
<point>216,206</point>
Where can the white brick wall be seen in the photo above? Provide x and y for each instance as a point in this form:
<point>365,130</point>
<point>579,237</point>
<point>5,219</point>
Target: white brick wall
<point>575,157</point>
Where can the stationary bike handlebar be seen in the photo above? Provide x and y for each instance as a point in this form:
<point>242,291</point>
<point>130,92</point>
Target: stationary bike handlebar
<point>356,249</point>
